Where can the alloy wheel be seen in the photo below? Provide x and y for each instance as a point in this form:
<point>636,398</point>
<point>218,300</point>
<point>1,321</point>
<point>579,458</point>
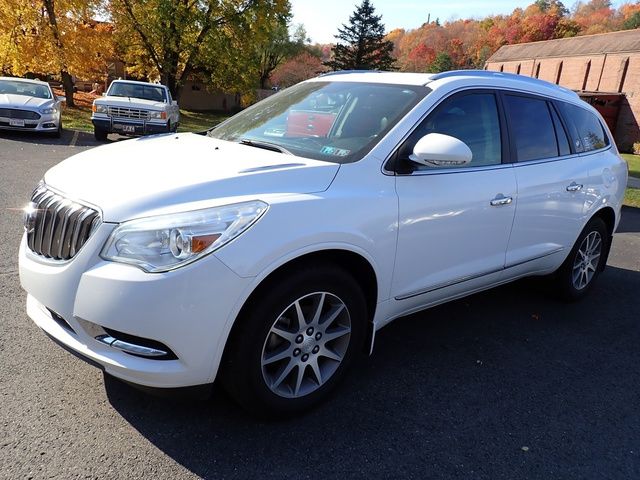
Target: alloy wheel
<point>306,344</point>
<point>586,261</point>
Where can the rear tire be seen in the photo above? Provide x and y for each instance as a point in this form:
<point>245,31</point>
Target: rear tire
<point>295,341</point>
<point>579,271</point>
<point>100,135</point>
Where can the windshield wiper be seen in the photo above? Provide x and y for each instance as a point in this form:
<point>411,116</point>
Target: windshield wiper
<point>266,145</point>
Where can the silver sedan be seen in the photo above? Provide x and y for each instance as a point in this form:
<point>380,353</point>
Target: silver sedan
<point>29,105</point>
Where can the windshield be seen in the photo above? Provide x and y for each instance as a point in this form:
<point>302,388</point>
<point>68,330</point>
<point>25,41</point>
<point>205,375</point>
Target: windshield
<point>335,121</point>
<point>29,89</point>
<point>134,90</point>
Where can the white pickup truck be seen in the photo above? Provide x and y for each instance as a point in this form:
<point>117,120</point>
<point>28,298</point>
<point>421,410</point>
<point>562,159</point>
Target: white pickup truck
<point>134,108</point>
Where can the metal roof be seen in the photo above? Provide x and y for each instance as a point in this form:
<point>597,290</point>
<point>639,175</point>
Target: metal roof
<point>614,42</point>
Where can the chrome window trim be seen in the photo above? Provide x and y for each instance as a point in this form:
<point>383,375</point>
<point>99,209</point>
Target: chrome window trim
<point>449,171</point>
<point>497,89</point>
<point>561,158</point>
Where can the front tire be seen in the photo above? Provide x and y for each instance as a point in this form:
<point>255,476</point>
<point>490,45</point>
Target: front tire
<point>295,341</point>
<point>100,135</point>
<point>58,132</point>
<point>579,271</point>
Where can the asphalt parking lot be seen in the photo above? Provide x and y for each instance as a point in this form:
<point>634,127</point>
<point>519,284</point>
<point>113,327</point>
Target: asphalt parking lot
<point>507,384</point>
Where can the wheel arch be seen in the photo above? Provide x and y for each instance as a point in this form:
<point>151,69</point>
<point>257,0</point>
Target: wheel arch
<point>352,262</point>
<point>608,216</point>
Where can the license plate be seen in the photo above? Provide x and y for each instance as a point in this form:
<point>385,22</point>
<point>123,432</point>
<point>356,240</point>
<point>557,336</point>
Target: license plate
<point>126,128</point>
<point>16,123</point>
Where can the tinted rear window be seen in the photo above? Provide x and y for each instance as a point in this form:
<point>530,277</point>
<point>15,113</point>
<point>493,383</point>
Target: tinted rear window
<point>590,134</point>
<point>531,128</point>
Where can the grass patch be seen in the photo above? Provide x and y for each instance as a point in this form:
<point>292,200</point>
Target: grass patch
<point>199,121</point>
<point>632,197</point>
<point>79,118</point>
<point>634,164</point>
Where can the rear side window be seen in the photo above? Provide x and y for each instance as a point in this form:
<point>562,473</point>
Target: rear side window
<point>472,118</point>
<point>590,134</point>
<point>561,135</point>
<point>532,128</point>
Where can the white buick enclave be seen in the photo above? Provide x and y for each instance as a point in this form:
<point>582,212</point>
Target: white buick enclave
<point>267,252</point>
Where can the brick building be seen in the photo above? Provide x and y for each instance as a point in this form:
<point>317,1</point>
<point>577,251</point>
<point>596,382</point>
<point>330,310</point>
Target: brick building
<point>604,69</point>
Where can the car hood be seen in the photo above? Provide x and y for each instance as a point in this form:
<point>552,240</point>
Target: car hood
<point>170,173</point>
<point>22,101</point>
<point>130,102</point>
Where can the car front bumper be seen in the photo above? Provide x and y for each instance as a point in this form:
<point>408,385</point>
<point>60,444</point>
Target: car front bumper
<point>46,123</point>
<point>130,127</point>
<point>189,310</point>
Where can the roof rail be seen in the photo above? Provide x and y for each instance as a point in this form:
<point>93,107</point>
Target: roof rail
<point>344,72</point>
<point>493,74</point>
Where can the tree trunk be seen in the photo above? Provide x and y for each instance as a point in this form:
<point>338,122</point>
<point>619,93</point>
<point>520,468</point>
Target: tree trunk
<point>169,80</point>
<point>67,83</point>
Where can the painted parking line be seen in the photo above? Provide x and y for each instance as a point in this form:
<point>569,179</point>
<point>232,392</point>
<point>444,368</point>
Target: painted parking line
<point>76,134</point>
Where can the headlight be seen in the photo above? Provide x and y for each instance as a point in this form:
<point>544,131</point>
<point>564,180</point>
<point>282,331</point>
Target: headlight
<point>48,110</point>
<point>100,108</point>
<point>166,242</point>
<point>158,115</point>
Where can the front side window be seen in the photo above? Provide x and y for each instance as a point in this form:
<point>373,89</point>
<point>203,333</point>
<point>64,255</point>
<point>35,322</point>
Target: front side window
<point>473,119</point>
<point>590,134</point>
<point>338,122</point>
<point>134,90</point>
<point>531,128</point>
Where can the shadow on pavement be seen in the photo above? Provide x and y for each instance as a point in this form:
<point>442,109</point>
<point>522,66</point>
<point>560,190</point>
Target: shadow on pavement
<point>630,220</point>
<point>505,384</point>
<point>68,138</point>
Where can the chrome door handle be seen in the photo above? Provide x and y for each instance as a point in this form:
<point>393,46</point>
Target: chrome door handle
<point>501,200</point>
<point>574,187</point>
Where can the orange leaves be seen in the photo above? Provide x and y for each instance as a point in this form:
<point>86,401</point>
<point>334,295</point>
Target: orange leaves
<point>470,42</point>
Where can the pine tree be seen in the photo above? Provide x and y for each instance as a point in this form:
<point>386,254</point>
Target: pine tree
<point>442,63</point>
<point>361,44</point>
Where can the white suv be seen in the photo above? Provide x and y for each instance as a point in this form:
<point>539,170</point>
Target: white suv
<point>267,252</point>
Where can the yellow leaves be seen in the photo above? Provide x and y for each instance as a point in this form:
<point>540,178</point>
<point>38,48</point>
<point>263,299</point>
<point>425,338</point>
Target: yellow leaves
<point>27,43</point>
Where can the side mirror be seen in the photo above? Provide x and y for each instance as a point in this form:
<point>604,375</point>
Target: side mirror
<point>438,150</point>
<point>61,99</point>
<point>174,103</point>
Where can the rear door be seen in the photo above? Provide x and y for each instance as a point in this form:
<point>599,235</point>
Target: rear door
<point>551,177</point>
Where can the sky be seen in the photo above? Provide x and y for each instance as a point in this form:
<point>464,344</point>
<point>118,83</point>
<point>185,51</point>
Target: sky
<point>321,18</point>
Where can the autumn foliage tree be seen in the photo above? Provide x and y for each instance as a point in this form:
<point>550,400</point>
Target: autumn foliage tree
<point>174,39</point>
<point>468,43</point>
<point>296,69</point>
<point>43,37</point>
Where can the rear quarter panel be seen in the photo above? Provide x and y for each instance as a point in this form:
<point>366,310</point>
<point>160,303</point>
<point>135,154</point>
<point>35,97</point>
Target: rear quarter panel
<point>606,183</point>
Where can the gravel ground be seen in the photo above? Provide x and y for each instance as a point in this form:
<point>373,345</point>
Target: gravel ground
<point>501,385</point>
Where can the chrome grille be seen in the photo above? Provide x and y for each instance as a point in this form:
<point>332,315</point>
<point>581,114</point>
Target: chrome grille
<point>124,112</point>
<point>19,114</point>
<point>60,227</point>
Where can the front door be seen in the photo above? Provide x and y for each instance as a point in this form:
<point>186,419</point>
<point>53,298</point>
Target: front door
<point>454,223</point>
